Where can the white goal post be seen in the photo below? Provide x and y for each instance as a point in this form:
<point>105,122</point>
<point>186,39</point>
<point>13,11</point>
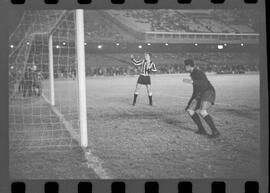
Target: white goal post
<point>51,71</point>
<point>80,49</point>
<point>80,54</point>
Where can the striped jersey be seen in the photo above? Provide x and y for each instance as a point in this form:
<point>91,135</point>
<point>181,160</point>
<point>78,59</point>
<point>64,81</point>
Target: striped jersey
<point>146,68</point>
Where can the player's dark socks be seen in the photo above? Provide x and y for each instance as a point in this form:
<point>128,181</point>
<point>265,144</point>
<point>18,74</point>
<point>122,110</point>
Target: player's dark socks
<point>150,100</point>
<point>198,122</point>
<point>208,119</point>
<point>134,99</point>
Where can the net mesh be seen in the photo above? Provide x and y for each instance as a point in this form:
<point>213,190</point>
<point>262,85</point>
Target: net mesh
<point>33,124</point>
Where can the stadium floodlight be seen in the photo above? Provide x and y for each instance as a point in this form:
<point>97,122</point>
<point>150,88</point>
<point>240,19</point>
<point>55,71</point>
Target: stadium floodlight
<point>140,46</point>
<point>99,46</point>
<point>220,47</point>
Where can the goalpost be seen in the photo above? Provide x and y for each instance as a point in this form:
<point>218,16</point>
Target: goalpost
<point>53,41</point>
<point>81,76</point>
<point>80,50</point>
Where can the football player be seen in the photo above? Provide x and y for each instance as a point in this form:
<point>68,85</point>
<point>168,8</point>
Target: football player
<point>202,99</point>
<point>146,67</point>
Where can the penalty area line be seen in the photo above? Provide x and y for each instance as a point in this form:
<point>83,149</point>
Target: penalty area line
<point>93,162</point>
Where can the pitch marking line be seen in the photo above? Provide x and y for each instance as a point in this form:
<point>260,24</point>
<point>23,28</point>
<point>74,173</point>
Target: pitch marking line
<point>93,162</point>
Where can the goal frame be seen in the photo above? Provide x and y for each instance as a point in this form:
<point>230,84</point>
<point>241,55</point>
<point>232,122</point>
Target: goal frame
<point>80,55</point>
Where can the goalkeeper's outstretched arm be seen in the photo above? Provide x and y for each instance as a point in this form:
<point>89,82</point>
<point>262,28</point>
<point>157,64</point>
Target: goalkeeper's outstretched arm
<point>188,80</point>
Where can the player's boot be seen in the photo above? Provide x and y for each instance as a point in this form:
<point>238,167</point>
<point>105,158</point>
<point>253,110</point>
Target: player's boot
<point>214,134</point>
<point>150,100</point>
<point>201,132</point>
<point>208,119</point>
<point>134,99</point>
<point>197,120</point>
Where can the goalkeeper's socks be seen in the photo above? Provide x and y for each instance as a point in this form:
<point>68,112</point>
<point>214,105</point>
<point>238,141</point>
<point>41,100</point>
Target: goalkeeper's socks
<point>197,120</point>
<point>150,100</point>
<point>208,119</point>
<point>134,99</point>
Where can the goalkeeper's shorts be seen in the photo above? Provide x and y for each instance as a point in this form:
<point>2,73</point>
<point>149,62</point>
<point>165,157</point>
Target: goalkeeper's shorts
<point>209,95</point>
<point>206,96</point>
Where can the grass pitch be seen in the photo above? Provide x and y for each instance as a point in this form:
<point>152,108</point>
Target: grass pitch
<point>158,141</point>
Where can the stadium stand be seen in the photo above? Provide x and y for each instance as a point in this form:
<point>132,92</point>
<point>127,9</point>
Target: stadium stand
<point>114,64</point>
<point>188,20</point>
<point>170,63</point>
<point>113,26</point>
<point>100,29</point>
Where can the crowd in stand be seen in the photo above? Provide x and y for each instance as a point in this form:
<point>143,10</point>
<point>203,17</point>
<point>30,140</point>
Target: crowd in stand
<point>226,21</point>
<point>99,28</point>
<point>166,63</point>
<point>171,69</point>
<point>30,82</point>
<point>119,65</point>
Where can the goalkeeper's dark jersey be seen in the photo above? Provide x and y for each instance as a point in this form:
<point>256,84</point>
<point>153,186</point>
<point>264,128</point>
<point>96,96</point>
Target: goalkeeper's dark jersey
<point>200,83</point>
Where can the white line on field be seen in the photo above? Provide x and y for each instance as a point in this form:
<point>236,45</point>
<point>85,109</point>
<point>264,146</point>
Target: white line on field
<point>93,162</point>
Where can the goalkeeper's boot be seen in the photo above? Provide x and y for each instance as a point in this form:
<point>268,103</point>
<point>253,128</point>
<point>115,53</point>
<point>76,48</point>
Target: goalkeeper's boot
<point>208,119</point>
<point>201,132</point>
<point>214,134</point>
<point>197,120</point>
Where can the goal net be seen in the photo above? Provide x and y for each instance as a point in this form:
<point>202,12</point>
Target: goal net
<point>44,100</point>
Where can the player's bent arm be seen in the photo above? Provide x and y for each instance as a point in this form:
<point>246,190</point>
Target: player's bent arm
<point>154,69</point>
<point>136,62</point>
<point>195,94</point>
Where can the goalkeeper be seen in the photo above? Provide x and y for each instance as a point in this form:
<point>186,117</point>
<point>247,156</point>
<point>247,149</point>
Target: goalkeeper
<point>202,99</point>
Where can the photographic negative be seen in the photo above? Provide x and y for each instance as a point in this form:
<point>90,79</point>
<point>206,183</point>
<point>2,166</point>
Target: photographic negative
<point>134,94</point>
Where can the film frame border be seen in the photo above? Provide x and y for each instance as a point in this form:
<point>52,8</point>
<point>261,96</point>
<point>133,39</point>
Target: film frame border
<point>165,185</point>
